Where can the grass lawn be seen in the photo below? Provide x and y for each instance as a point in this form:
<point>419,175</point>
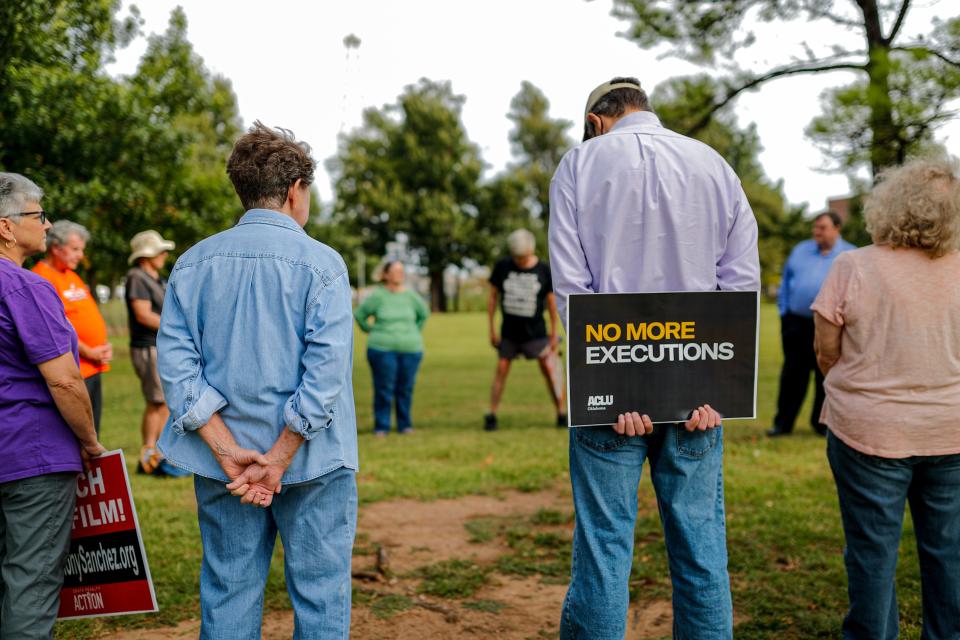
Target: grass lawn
<point>785,539</point>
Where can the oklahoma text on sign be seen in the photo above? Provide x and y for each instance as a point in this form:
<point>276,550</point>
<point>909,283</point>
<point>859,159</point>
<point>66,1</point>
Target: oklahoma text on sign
<point>663,354</point>
<point>106,572</point>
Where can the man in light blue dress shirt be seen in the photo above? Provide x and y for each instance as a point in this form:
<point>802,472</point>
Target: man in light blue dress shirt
<point>255,352</point>
<point>803,274</point>
<point>639,208</point>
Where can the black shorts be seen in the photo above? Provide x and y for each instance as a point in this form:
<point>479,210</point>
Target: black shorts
<point>531,349</point>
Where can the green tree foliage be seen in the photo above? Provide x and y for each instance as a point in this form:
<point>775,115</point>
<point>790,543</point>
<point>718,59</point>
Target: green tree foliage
<point>116,155</point>
<point>59,35</point>
<point>200,119</point>
<point>538,142</point>
<point>679,103</point>
<point>922,86</point>
<point>884,57</point>
<point>411,168</point>
<point>507,205</point>
<point>520,195</point>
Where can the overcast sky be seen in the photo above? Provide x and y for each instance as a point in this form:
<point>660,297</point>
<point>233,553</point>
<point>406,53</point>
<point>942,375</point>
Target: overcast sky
<point>289,68</point>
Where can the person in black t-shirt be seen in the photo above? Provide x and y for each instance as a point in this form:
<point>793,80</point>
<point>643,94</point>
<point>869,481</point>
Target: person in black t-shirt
<point>522,285</point>
<point>145,290</point>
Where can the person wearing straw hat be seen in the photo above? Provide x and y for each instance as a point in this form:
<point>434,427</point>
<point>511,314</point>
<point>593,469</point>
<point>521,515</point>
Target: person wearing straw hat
<point>145,290</point>
<point>639,208</point>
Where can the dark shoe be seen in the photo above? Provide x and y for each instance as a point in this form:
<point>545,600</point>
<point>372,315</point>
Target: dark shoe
<point>562,421</point>
<point>820,428</point>
<point>404,432</point>
<point>776,432</point>
<point>490,422</point>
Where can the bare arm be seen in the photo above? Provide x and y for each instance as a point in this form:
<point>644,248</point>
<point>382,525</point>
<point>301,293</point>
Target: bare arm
<point>143,312</point>
<point>554,320</point>
<point>826,342</point>
<point>70,395</point>
<point>228,453</point>
<point>492,314</point>
<point>262,479</point>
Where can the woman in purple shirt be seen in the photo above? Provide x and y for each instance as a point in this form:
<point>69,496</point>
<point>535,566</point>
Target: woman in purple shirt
<point>46,422</point>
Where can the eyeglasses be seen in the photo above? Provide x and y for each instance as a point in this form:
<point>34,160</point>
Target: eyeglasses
<point>41,213</point>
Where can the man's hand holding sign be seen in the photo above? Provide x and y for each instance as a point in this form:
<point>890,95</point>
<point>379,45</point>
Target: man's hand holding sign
<point>634,424</point>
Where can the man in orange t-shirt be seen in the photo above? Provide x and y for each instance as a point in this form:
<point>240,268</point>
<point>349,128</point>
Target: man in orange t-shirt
<point>66,242</point>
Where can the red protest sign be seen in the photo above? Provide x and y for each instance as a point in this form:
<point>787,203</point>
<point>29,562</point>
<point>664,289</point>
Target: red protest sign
<point>106,572</point>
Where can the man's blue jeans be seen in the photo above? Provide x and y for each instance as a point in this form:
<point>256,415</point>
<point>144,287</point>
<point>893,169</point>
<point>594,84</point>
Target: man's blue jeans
<point>316,521</point>
<point>687,472</point>
<point>873,493</point>
<point>394,374</point>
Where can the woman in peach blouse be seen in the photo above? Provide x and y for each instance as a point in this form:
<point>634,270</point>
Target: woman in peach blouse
<point>888,340</point>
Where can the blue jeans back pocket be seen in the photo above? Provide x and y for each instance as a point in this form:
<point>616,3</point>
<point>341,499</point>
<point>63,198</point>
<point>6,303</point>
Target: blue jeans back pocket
<point>600,438</point>
<point>696,443</point>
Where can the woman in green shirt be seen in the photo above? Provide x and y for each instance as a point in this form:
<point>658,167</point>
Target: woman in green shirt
<point>395,346</point>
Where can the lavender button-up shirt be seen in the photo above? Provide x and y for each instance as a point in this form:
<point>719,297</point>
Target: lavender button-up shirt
<point>644,209</point>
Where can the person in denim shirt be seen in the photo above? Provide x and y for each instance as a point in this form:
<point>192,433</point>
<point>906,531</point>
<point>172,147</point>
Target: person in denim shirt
<point>255,355</point>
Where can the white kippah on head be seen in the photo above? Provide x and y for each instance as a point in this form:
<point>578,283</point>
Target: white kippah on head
<point>603,90</point>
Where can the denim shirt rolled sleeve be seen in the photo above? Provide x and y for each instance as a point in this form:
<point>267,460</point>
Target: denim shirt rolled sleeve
<point>191,399</point>
<point>329,345</point>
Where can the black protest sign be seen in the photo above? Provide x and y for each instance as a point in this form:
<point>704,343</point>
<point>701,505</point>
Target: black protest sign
<point>663,354</point>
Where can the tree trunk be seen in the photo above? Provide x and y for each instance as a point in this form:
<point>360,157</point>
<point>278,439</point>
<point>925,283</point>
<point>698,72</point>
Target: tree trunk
<point>438,296</point>
<point>883,146</point>
<point>456,294</point>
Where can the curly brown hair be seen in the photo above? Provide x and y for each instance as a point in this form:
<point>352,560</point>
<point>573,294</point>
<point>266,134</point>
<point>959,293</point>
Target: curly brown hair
<point>265,163</point>
<point>916,205</point>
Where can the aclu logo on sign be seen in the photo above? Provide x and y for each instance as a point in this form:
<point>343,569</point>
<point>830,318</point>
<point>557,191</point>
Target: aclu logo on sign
<point>599,403</point>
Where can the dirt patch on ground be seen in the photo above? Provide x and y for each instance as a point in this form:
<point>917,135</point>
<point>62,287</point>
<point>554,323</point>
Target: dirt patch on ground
<point>518,600</point>
<point>415,533</point>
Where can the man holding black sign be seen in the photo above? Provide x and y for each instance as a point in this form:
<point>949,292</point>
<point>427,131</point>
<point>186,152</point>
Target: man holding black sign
<point>639,208</point>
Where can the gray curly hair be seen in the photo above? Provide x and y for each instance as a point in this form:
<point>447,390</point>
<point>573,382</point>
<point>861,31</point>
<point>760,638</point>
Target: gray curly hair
<point>60,233</point>
<point>15,192</point>
<point>916,205</point>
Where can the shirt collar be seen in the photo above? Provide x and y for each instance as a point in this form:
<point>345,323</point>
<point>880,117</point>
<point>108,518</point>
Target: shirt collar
<point>637,119</point>
<point>268,216</point>
<point>835,250</point>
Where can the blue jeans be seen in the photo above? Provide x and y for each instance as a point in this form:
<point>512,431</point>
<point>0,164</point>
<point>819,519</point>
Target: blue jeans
<point>873,493</point>
<point>394,374</point>
<point>316,521</point>
<point>687,472</point>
